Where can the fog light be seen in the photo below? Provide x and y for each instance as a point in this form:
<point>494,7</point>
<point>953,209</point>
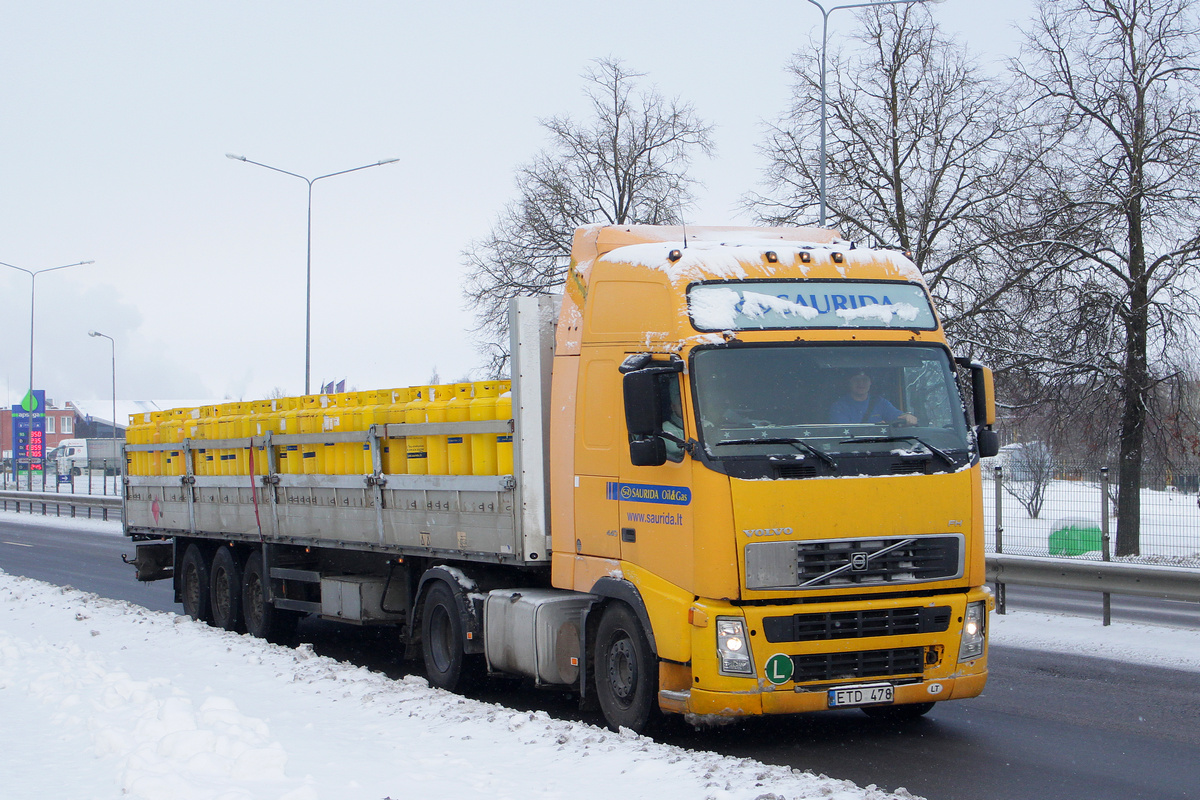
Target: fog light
<point>974,632</point>
<point>732,649</point>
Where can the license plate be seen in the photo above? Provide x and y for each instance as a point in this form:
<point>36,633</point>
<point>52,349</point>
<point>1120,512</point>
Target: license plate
<point>868,695</point>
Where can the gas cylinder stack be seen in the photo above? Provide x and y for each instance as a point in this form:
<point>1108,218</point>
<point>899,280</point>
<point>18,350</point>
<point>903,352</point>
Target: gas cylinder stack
<point>231,438</point>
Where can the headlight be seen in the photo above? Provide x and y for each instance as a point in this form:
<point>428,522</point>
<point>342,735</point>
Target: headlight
<point>733,648</point>
<point>974,632</point>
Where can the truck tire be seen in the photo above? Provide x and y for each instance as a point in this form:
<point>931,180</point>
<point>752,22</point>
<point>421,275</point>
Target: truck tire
<point>262,618</point>
<point>446,665</point>
<point>626,671</point>
<point>226,590</point>
<point>194,583</point>
<point>898,713</point>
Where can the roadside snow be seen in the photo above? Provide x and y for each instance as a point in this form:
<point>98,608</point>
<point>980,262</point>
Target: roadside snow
<point>104,699</point>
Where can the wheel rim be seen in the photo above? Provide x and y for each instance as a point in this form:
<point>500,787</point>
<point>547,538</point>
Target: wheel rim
<point>622,671</point>
<point>439,638</point>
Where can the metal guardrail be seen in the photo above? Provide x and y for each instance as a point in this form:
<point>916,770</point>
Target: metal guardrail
<point>1144,580</point>
<point>32,501</point>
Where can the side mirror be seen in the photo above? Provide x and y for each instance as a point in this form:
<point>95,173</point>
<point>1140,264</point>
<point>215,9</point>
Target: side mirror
<point>983,388</point>
<point>643,403</point>
<point>650,451</point>
<point>988,442</point>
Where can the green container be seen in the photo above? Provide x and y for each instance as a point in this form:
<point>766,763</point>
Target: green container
<point>1075,537</point>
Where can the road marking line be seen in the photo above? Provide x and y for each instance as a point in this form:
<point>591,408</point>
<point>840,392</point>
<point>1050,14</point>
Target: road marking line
<point>18,544</point>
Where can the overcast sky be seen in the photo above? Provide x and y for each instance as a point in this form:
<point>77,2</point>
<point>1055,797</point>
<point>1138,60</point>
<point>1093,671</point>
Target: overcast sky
<point>117,118</point>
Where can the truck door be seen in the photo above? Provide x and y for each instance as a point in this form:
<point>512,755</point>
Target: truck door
<point>655,499</point>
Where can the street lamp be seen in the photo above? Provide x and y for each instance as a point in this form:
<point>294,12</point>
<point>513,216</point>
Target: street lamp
<point>308,266</point>
<point>112,342</point>
<point>824,41</point>
<point>32,295</point>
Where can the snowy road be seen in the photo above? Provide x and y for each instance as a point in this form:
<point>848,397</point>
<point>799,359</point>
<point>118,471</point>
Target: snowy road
<point>1048,725</point>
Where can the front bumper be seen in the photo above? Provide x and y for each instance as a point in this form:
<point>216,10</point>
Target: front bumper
<point>929,669</point>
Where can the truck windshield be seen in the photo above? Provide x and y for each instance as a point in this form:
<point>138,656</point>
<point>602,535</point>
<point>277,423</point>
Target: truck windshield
<point>838,406</point>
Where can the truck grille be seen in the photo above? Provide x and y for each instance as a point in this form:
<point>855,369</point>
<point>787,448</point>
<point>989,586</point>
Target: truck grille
<point>866,664</point>
<point>856,624</point>
<point>879,561</point>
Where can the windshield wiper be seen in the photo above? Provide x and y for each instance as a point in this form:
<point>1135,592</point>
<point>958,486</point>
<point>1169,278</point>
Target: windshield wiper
<point>907,437</point>
<point>799,444</point>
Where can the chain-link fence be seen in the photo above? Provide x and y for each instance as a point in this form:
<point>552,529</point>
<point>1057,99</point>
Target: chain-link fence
<point>1048,507</point>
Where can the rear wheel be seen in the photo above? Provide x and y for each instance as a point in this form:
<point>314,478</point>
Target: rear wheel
<point>226,590</point>
<point>898,713</point>
<point>626,671</point>
<point>446,665</point>
<point>261,616</point>
<point>194,582</point>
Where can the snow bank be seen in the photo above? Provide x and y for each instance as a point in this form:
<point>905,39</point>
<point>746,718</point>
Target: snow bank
<point>104,699</point>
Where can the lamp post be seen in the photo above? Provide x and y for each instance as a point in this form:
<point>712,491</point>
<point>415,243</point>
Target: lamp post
<point>113,343</point>
<point>33,273</point>
<point>824,41</point>
<point>308,264</point>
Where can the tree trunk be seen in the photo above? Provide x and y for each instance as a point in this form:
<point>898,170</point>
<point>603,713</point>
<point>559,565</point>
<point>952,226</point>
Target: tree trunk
<point>1135,392</point>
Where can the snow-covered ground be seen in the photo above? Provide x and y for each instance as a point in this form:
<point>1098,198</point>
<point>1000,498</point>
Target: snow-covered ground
<point>104,699</point>
<point>1170,531</point>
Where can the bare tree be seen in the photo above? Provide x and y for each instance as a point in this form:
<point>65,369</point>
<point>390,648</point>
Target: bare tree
<point>627,164</point>
<point>921,156</point>
<point>1028,474</point>
<point>1123,200</point>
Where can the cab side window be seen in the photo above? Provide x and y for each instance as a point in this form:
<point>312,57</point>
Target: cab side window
<point>672,415</point>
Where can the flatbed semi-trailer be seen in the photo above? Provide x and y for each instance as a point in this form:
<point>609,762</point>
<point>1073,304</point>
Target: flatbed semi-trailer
<point>683,501</point>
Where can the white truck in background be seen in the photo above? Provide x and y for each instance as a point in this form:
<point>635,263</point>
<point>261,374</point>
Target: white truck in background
<point>81,456</point>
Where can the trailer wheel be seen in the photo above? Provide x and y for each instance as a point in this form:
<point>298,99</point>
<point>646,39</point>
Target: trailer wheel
<point>899,713</point>
<point>226,590</point>
<point>262,618</point>
<point>446,665</point>
<point>194,583</point>
<point>626,671</point>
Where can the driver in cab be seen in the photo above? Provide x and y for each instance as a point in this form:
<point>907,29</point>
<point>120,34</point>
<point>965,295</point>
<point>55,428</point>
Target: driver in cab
<point>859,406</point>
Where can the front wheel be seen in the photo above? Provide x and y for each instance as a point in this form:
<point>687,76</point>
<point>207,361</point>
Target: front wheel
<point>626,671</point>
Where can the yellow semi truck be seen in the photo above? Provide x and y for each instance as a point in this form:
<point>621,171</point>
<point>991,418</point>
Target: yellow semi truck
<point>735,472</point>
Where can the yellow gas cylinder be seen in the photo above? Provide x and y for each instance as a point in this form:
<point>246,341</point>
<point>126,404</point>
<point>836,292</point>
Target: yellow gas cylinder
<point>191,432</point>
<point>483,445</point>
<point>334,415</point>
<point>348,455</point>
<point>136,461</point>
<point>227,428</point>
<point>243,430</point>
<point>504,441</point>
<point>289,456</point>
<point>436,446</point>
<point>458,445</point>
<point>369,413</point>
<point>170,431</point>
<point>311,419</point>
<point>154,435</point>
<point>414,411</point>
<point>264,417</point>
<point>208,430</point>
<point>395,451</point>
